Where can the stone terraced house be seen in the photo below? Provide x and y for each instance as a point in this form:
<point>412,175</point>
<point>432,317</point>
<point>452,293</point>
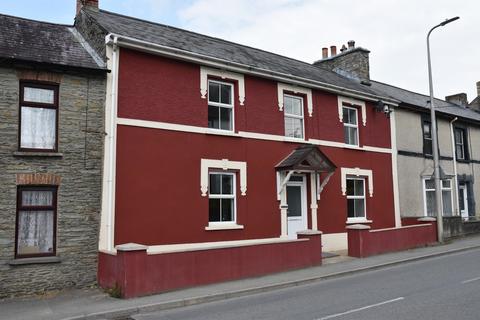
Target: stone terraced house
<point>52,93</point>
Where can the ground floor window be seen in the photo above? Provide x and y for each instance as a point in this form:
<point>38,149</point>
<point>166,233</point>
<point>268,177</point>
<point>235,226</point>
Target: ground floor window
<point>429,197</point>
<point>221,197</point>
<point>356,204</point>
<point>36,221</point>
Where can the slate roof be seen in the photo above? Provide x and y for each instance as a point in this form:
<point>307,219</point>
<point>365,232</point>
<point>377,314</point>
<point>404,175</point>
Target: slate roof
<point>421,101</point>
<point>217,48</point>
<point>41,42</point>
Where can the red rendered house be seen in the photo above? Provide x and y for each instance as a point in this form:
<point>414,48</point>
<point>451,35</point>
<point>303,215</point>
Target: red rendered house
<point>224,161</point>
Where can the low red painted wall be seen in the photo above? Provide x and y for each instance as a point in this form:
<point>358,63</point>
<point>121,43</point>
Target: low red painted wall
<point>135,273</point>
<point>365,242</point>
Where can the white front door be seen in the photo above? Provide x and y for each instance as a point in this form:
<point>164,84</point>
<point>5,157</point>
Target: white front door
<point>297,205</point>
<point>463,200</point>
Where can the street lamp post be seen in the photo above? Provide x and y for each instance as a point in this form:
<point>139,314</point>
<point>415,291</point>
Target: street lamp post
<point>436,162</point>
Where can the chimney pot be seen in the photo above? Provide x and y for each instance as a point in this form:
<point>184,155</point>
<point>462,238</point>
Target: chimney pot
<point>324,53</point>
<point>478,88</point>
<point>92,4</point>
<point>333,51</point>
<point>351,44</point>
<point>344,48</point>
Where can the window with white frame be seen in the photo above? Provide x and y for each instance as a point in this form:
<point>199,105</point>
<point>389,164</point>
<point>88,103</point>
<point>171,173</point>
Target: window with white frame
<point>429,197</point>
<point>220,105</point>
<point>350,125</point>
<point>293,111</point>
<point>38,117</point>
<point>221,197</point>
<point>356,200</point>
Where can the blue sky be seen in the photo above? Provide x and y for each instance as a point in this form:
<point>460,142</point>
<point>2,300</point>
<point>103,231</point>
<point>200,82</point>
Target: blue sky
<point>393,30</point>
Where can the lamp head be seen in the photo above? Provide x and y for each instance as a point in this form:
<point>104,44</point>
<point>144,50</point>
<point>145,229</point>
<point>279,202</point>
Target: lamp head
<point>448,21</point>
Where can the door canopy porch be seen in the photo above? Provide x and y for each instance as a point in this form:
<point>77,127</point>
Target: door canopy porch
<point>306,158</point>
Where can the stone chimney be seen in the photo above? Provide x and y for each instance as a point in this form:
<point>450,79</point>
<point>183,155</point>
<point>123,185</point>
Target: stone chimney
<point>475,104</point>
<point>90,4</point>
<point>351,62</point>
<point>458,99</point>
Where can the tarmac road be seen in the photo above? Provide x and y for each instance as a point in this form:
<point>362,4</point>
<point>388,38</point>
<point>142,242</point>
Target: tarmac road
<point>445,287</point>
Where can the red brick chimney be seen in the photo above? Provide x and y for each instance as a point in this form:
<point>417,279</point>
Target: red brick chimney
<point>333,51</point>
<point>325,53</point>
<point>91,4</point>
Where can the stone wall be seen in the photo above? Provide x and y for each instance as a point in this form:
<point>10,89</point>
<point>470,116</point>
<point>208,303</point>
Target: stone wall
<point>77,168</point>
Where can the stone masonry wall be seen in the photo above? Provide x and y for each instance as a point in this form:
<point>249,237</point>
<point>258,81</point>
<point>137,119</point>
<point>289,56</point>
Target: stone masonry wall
<point>81,134</point>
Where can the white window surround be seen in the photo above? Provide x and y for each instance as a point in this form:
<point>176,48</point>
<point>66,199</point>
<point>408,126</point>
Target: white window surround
<point>357,172</point>
<point>230,106</point>
<point>294,116</point>
<point>351,102</point>
<point>358,197</point>
<point>223,164</point>
<point>350,125</point>
<point>281,87</point>
<point>205,72</point>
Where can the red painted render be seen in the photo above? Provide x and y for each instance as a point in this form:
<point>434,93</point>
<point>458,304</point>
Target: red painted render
<point>158,198</point>
<point>160,89</point>
<point>137,273</point>
<point>365,243</point>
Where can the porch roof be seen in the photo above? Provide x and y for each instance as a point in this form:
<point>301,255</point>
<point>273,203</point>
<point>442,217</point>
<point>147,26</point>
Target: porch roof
<point>308,158</point>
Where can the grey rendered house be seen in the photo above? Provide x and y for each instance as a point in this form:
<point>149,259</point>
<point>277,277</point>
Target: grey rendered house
<point>458,134</point>
<point>459,138</point>
<point>52,93</point>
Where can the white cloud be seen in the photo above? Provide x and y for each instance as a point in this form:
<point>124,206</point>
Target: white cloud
<point>394,31</point>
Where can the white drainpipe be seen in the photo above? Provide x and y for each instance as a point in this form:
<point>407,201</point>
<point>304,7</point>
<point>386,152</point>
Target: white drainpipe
<point>111,146</point>
<point>456,206</point>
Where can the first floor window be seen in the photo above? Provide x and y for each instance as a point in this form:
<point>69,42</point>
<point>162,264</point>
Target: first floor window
<point>429,187</point>
<point>221,197</point>
<point>220,105</point>
<point>427,137</point>
<point>460,136</point>
<point>350,125</point>
<point>293,116</point>
<point>36,215</point>
<point>38,117</point>
<point>356,198</point>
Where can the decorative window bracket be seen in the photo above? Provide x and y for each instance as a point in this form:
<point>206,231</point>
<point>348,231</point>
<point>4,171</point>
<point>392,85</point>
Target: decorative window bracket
<point>354,103</point>
<point>223,164</point>
<point>357,172</point>
<point>205,72</point>
<point>281,87</point>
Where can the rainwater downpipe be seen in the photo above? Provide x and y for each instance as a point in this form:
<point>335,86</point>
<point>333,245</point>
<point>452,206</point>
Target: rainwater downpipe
<point>452,134</point>
<point>111,145</point>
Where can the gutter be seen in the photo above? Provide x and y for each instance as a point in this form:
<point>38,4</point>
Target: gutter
<point>132,43</point>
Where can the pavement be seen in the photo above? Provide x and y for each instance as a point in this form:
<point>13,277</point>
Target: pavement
<point>94,304</point>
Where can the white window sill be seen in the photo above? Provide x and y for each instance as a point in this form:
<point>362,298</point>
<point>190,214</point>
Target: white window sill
<point>356,220</point>
<point>221,132</point>
<point>291,139</point>
<point>226,226</point>
<point>353,146</point>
